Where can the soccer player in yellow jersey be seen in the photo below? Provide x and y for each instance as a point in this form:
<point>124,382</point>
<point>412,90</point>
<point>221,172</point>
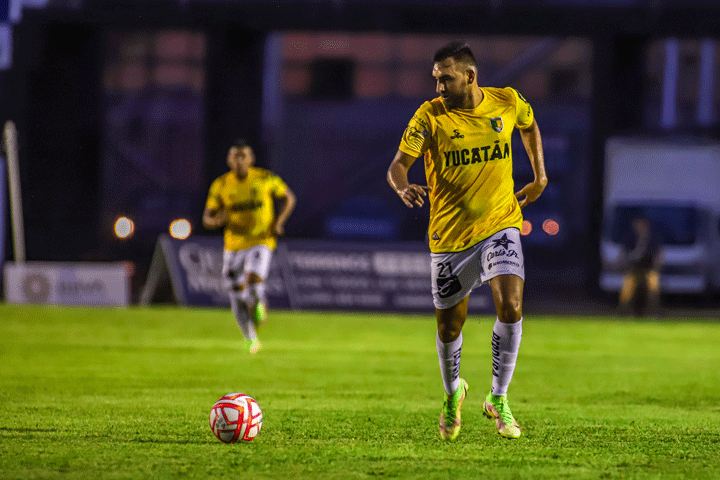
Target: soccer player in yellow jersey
<point>475,217</point>
<point>242,200</point>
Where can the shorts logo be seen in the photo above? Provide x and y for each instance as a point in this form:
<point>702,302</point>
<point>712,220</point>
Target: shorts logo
<point>502,242</point>
<point>448,284</point>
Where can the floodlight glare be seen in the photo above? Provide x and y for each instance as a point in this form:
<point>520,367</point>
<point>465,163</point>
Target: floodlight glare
<point>526,227</point>
<point>124,227</point>
<point>180,229</point>
<point>551,227</point>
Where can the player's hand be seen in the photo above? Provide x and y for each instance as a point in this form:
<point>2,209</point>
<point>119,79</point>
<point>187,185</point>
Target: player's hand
<point>531,192</point>
<point>413,194</point>
<point>215,219</point>
<point>221,217</point>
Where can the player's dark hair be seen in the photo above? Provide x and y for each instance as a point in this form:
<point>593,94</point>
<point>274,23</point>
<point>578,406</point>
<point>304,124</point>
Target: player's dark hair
<point>240,143</point>
<point>458,51</point>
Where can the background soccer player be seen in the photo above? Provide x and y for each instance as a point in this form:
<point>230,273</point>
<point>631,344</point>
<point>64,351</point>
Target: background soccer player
<point>242,200</point>
<point>475,218</point>
<point>643,258</point>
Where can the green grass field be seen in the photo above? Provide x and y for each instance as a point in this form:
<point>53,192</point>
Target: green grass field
<point>126,393</point>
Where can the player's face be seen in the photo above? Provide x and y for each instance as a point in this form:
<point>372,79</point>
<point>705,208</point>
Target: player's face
<point>240,160</point>
<point>452,81</point>
<point>641,226</point>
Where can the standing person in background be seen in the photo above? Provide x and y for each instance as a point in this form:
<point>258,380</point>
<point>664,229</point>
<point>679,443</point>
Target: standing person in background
<point>475,217</point>
<point>641,285</point>
<point>242,200</point>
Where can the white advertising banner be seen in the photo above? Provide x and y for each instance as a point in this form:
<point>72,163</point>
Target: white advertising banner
<point>67,283</point>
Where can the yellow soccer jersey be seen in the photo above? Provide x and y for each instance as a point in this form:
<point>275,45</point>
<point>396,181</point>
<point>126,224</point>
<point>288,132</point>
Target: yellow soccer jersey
<point>468,164</point>
<point>249,204</point>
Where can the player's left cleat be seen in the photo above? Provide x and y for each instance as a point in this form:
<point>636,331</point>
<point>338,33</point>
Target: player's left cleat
<point>450,421</point>
<point>253,346</point>
<point>259,313</point>
<point>496,407</point>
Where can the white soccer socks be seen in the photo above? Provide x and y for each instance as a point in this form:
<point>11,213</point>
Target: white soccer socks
<point>449,356</point>
<point>257,292</point>
<point>242,317</point>
<point>505,346</point>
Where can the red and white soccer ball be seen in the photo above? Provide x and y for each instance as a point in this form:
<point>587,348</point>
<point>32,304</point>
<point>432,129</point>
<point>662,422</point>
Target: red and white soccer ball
<point>236,417</point>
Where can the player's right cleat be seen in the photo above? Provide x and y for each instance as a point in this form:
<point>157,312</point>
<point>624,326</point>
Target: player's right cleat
<point>496,407</point>
<point>450,420</point>
<point>253,345</point>
<point>259,313</point>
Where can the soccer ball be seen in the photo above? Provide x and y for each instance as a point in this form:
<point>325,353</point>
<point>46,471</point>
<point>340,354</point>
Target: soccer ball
<point>236,417</point>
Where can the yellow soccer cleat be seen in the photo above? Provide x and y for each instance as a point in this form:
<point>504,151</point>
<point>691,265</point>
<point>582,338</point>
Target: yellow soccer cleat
<point>450,420</point>
<point>496,407</point>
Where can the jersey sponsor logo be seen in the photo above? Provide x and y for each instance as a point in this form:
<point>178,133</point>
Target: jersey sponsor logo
<point>497,124</point>
<point>245,206</point>
<point>457,134</point>
<point>467,156</point>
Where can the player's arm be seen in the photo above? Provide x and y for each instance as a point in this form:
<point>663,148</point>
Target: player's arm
<point>533,146</point>
<point>214,217</point>
<point>288,204</point>
<point>397,177</point>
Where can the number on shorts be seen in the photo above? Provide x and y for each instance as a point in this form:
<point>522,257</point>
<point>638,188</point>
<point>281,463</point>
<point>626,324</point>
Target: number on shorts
<point>443,266</point>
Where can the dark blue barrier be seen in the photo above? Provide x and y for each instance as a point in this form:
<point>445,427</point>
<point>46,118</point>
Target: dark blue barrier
<point>314,275</point>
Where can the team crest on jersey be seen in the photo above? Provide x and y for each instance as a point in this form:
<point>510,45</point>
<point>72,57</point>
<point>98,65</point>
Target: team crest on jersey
<point>497,124</point>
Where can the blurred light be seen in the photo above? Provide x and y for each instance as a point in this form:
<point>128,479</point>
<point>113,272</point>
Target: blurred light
<point>551,227</point>
<point>526,227</point>
<point>124,227</point>
<point>180,229</point>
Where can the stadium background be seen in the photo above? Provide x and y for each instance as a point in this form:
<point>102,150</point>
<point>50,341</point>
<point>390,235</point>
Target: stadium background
<point>127,108</point>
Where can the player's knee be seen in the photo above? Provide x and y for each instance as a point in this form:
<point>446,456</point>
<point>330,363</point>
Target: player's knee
<point>449,333</point>
<point>510,310</point>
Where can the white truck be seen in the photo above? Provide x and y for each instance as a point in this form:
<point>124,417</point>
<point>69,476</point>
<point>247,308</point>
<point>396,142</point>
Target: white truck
<point>676,185</point>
